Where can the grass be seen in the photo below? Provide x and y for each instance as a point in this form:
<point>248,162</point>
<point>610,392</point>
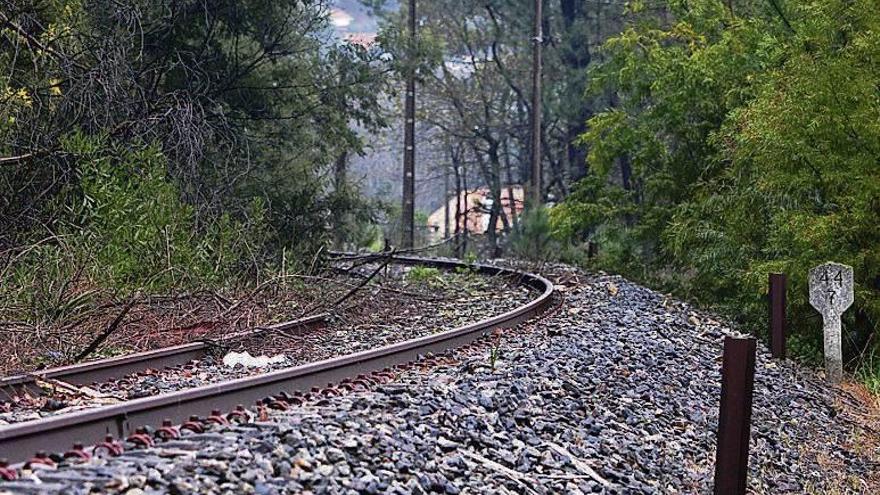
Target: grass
<point>423,274</point>
<point>868,372</point>
<point>859,407</point>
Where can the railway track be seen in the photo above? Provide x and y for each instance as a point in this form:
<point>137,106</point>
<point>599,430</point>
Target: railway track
<point>144,421</point>
<point>117,367</point>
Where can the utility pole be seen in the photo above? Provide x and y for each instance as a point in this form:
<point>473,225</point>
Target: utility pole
<point>537,71</point>
<point>445,203</point>
<point>407,219</point>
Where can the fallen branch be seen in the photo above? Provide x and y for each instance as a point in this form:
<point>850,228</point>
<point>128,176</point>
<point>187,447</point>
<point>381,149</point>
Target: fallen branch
<point>16,326</point>
<point>346,296</point>
<point>579,464</point>
<point>105,334</point>
<point>364,282</point>
<point>516,476</point>
<point>372,256</point>
<point>53,384</point>
<point>414,295</point>
<point>9,160</point>
<point>315,261</point>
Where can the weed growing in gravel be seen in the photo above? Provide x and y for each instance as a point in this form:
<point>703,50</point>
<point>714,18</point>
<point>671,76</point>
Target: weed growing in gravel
<point>868,371</point>
<point>495,350</point>
<point>494,354</point>
<point>423,274</point>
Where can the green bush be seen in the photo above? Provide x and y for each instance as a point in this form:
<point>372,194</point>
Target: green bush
<point>753,149</point>
<point>125,228</point>
<point>141,234</point>
<point>532,238</point>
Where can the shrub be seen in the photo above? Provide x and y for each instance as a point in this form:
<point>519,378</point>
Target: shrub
<point>532,239</point>
<point>125,228</point>
<point>422,274</point>
<point>751,147</point>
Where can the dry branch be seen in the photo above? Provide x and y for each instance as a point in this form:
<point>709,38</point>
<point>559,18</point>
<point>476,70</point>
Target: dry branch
<point>520,479</point>
<point>105,334</point>
<point>579,464</point>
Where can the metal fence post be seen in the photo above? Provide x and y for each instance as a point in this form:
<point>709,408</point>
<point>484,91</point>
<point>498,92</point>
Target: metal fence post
<point>778,285</point>
<point>734,421</point>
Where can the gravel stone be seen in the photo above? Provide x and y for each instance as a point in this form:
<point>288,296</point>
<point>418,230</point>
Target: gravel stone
<point>619,379</point>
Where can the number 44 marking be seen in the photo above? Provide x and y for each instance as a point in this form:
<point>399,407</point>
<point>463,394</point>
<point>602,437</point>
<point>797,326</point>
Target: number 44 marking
<point>837,278</point>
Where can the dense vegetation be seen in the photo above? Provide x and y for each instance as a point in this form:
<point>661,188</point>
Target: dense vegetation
<point>703,144</point>
<point>745,142</point>
<point>158,145</point>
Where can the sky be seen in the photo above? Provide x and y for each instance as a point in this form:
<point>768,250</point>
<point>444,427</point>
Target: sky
<point>349,16</point>
<point>378,170</point>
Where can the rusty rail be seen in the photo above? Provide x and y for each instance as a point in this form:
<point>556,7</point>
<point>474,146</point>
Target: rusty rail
<point>117,367</point>
<point>18,442</point>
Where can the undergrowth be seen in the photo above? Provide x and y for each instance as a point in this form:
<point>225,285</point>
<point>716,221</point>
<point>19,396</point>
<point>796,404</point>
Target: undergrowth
<point>422,274</point>
<point>125,230</point>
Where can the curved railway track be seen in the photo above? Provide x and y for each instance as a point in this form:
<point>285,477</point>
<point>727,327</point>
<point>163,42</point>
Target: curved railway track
<point>139,421</point>
<point>117,367</point>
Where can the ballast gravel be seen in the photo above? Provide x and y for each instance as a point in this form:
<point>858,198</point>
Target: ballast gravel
<point>615,392</point>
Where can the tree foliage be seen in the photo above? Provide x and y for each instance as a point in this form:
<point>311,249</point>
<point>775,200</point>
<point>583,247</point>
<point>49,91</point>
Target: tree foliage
<point>752,133</point>
<point>195,118</point>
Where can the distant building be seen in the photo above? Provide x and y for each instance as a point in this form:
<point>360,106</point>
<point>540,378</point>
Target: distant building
<point>474,207</point>
<point>365,40</point>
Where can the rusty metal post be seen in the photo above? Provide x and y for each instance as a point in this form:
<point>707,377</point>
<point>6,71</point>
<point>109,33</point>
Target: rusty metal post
<point>734,420</point>
<point>778,286</point>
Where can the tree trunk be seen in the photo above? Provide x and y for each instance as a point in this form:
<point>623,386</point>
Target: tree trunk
<point>626,172</point>
<point>456,168</point>
<point>570,10</point>
<point>464,239</point>
<point>577,155</point>
<point>407,214</point>
<point>557,178</point>
<point>495,185</point>
<point>491,177</point>
<point>537,72</point>
<point>511,198</point>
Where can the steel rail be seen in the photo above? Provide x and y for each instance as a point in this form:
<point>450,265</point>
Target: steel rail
<point>117,367</point>
<point>19,441</point>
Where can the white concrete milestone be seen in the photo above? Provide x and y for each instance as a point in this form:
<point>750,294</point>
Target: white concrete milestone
<point>831,293</point>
